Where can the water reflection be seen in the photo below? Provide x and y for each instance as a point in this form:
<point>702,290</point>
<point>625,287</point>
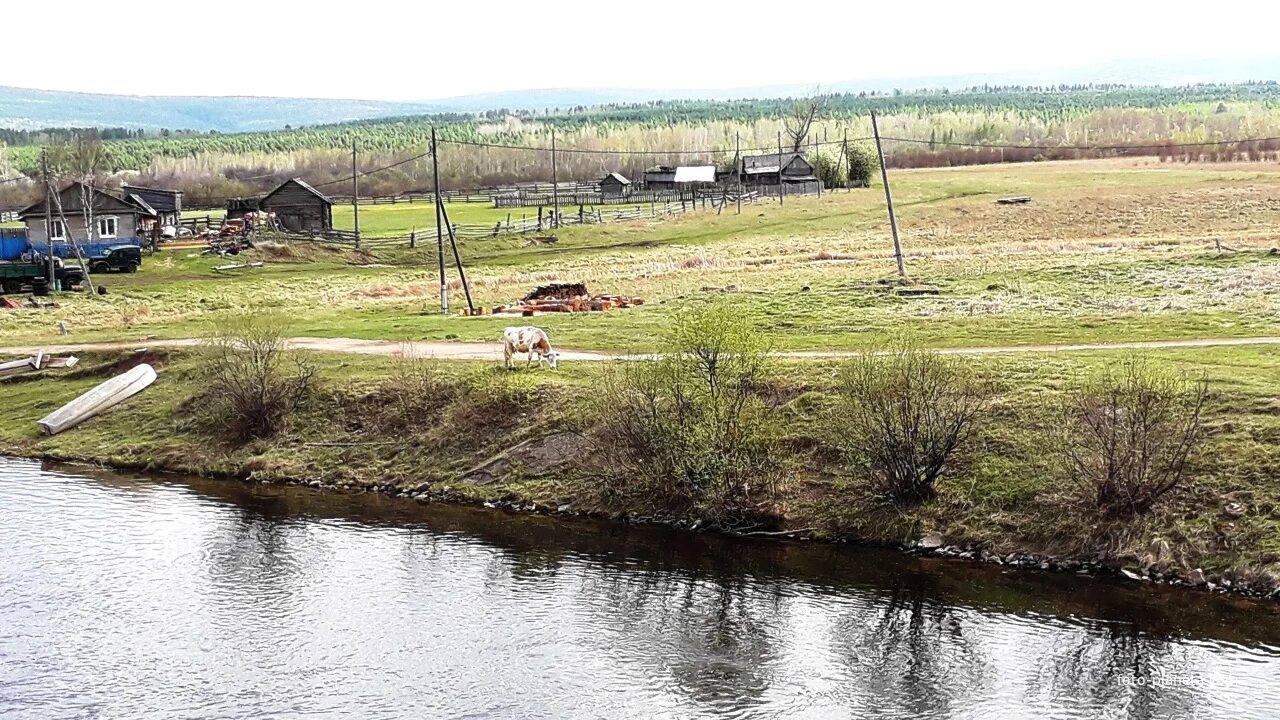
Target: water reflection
<point>194,598</point>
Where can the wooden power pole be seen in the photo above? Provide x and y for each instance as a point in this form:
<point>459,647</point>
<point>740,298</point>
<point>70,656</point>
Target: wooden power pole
<point>355,192</point>
<point>435,180</point>
<point>782,192</point>
<point>48,213</point>
<point>737,147</point>
<point>888,197</point>
<point>555,182</point>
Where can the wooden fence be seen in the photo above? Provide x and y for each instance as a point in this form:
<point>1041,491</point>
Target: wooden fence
<point>807,188</point>
<point>8,216</point>
<point>544,223</point>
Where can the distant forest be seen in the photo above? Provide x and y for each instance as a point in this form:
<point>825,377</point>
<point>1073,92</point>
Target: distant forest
<point>1037,122</point>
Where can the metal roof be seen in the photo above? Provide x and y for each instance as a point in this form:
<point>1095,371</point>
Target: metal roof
<point>696,173</point>
<point>616,176</point>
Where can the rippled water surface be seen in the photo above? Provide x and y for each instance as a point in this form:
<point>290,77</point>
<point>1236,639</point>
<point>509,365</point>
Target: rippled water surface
<point>125,597</point>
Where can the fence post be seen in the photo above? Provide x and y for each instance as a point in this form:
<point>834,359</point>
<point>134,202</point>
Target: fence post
<point>413,238</point>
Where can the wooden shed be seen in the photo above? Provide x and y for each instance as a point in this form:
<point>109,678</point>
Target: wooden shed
<point>166,203</point>
<point>774,169</point>
<point>661,177</point>
<point>615,184</point>
<point>299,207</point>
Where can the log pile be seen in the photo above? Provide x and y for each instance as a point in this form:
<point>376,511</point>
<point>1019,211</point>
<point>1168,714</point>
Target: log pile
<point>565,298</point>
<point>39,361</point>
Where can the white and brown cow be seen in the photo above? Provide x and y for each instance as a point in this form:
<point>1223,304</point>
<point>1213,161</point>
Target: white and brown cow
<point>529,340</point>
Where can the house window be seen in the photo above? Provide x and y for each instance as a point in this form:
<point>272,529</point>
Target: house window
<point>56,230</point>
<point>107,227</point>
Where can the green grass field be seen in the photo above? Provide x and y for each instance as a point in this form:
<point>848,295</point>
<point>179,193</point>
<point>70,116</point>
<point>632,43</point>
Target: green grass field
<point>1107,250</point>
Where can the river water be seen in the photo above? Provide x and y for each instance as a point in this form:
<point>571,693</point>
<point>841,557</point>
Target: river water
<point>165,597</point>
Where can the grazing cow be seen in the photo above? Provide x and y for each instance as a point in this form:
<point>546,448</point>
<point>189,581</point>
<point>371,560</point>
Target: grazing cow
<point>530,340</point>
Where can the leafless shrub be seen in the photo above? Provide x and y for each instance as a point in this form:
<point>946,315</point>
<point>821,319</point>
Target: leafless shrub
<point>1129,432</point>
<point>417,392</point>
<point>691,430</point>
<point>902,414</point>
<point>254,383</point>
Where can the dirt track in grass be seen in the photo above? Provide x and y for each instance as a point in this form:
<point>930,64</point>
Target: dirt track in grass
<point>493,351</point>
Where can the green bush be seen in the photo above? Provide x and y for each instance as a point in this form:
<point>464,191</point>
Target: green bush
<point>830,168</point>
<point>863,162</point>
<point>690,430</point>
<point>1129,432</point>
<point>901,416</point>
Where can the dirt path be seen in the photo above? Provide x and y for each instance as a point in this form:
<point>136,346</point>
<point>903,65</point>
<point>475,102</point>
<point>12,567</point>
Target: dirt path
<point>493,351</point>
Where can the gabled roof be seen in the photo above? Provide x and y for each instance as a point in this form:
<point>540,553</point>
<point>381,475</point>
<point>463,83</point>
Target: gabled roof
<point>772,163</point>
<point>616,176</point>
<point>133,198</point>
<point>156,198</point>
<point>102,201</point>
<point>300,183</point>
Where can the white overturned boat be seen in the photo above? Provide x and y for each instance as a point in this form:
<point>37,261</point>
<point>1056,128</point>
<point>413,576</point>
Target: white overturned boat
<point>107,395</point>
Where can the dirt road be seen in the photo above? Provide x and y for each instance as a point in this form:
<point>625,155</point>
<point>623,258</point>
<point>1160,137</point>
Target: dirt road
<point>493,351</point>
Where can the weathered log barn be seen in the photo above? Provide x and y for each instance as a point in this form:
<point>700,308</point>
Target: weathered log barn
<point>661,177</point>
<point>615,184</point>
<point>299,207</point>
<point>775,169</point>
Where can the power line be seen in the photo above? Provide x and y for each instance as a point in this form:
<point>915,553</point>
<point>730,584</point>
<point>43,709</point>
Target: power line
<point>592,151</point>
<point>1099,148</point>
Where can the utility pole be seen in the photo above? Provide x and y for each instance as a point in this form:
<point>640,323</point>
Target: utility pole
<point>782,191</point>
<point>355,192</point>
<point>457,259</point>
<point>815,157</point>
<point>848,163</point>
<point>435,179</point>
<point>48,213</point>
<point>888,197</point>
<point>555,183</point>
<point>737,144</point>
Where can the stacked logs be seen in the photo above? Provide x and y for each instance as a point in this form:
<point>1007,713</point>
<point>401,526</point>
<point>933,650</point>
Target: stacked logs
<point>565,298</point>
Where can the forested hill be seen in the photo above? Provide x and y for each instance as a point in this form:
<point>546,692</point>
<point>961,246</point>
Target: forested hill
<point>21,108</point>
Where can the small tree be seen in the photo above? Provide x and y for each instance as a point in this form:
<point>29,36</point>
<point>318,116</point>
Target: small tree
<point>254,383</point>
<point>830,169</point>
<point>690,429</point>
<point>903,413</point>
<point>863,163</point>
<point>1129,432</point>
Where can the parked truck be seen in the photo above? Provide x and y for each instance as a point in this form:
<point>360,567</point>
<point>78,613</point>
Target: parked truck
<point>31,273</point>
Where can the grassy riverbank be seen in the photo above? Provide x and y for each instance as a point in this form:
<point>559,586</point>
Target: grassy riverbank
<point>477,433</point>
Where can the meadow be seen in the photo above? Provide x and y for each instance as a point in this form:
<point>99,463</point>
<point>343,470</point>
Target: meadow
<point>1108,250</point>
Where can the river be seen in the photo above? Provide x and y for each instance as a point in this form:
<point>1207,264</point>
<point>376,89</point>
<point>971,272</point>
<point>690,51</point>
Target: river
<point>166,597</point>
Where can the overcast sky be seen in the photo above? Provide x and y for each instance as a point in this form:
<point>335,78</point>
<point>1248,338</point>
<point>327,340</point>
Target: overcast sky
<point>379,49</point>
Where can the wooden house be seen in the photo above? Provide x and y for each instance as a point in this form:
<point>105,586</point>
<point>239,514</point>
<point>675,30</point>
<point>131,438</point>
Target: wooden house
<point>663,177</point>
<point>166,203</point>
<point>775,169</point>
<point>660,177</point>
<point>118,219</point>
<point>615,184</point>
<point>299,207</point>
